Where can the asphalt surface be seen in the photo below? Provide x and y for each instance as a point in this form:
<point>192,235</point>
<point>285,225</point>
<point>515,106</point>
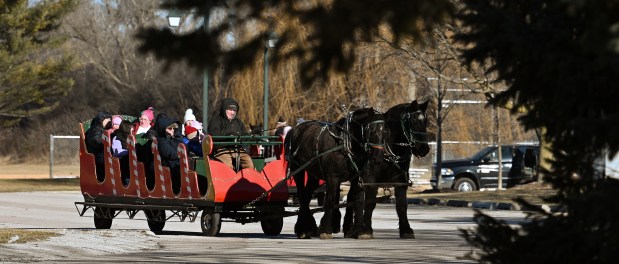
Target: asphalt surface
<point>436,229</point>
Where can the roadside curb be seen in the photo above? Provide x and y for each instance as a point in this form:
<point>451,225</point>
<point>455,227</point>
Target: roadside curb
<point>483,205</point>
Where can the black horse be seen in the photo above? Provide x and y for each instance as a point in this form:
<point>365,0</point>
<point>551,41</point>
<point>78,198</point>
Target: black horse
<point>407,124</point>
<point>333,152</point>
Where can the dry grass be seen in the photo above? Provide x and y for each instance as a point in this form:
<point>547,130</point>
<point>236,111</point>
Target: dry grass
<point>36,170</point>
<point>24,236</point>
<point>32,185</point>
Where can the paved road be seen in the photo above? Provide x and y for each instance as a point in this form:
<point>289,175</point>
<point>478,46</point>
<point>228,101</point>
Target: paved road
<point>436,229</point>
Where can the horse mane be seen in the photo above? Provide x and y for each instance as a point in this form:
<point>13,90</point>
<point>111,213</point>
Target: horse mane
<point>359,114</point>
<point>394,112</point>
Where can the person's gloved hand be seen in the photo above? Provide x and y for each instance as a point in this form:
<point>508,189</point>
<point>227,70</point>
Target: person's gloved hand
<point>197,125</point>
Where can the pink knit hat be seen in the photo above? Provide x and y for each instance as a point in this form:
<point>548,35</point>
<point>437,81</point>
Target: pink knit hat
<point>116,120</point>
<point>149,113</point>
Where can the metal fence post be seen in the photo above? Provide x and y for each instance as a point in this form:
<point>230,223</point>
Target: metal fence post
<point>51,155</point>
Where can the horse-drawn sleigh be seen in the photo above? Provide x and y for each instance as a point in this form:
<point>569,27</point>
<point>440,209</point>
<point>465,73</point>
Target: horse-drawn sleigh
<point>205,186</point>
<point>348,150</point>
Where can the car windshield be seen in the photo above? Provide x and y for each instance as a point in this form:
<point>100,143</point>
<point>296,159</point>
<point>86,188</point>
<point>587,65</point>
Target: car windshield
<point>482,152</point>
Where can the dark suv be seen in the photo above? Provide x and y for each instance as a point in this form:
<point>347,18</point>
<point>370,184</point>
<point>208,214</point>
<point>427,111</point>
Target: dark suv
<point>520,163</point>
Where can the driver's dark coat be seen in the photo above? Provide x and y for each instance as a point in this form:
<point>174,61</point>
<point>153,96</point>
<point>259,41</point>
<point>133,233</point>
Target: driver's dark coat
<point>221,126</point>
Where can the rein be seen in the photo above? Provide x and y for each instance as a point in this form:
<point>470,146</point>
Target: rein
<point>345,136</point>
<point>301,168</point>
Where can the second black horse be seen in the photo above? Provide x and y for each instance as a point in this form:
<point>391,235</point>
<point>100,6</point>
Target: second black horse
<point>333,152</point>
<point>407,124</point>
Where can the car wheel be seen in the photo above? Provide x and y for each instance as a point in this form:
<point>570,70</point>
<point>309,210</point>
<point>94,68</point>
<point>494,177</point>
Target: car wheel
<point>465,185</point>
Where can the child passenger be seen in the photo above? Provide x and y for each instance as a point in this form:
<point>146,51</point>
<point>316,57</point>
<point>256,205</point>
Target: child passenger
<point>115,123</point>
<point>119,148</point>
<point>192,136</point>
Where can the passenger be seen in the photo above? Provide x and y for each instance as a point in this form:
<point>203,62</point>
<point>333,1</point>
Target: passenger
<point>115,123</point>
<point>281,128</point>
<point>168,142</point>
<point>119,148</point>
<point>192,136</point>
<point>143,144</point>
<point>227,124</point>
<point>146,120</point>
<point>300,120</point>
<point>94,140</point>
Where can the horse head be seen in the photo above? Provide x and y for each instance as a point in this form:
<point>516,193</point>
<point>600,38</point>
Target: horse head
<point>368,127</point>
<point>414,122</point>
<point>255,129</point>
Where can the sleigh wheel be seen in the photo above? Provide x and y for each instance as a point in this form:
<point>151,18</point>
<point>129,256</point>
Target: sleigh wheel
<point>272,227</point>
<point>156,219</point>
<point>103,217</point>
<point>211,223</point>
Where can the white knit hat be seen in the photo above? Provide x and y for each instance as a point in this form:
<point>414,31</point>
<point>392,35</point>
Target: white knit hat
<point>189,115</point>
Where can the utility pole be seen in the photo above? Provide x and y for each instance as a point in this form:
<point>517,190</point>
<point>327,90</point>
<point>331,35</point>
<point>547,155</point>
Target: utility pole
<point>439,134</point>
<point>497,142</point>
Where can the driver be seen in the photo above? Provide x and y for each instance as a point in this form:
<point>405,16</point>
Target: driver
<point>227,124</point>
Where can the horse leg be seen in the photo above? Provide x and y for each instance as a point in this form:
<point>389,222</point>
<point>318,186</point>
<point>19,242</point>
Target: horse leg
<point>360,230</point>
<point>337,215</point>
<point>401,207</point>
<point>326,226</point>
<point>370,205</point>
<point>303,219</point>
<point>312,185</point>
<point>348,217</point>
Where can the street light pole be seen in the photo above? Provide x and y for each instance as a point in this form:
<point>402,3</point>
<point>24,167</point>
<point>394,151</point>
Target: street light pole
<point>174,20</point>
<point>205,82</point>
<point>270,43</point>
<point>265,101</point>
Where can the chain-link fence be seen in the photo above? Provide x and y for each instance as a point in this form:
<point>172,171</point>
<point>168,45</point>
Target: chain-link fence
<point>63,156</point>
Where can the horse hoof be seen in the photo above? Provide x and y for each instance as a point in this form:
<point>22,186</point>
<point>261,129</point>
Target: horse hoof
<point>407,235</point>
<point>349,235</point>
<point>365,236</point>
<point>303,236</point>
<point>326,236</point>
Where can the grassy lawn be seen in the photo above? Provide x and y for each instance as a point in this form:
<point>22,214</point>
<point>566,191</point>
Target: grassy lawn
<point>24,236</point>
<point>32,185</point>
